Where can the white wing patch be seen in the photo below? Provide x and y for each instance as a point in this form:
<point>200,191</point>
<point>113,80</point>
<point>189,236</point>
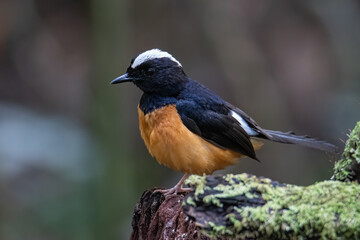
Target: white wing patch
<point>152,54</point>
<point>243,124</point>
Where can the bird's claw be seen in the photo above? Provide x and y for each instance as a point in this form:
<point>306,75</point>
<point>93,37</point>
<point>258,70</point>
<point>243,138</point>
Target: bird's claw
<point>174,190</point>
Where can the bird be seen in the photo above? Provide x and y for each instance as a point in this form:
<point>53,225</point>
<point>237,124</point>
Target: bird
<point>189,128</point>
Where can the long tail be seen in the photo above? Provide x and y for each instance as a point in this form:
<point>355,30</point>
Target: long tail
<point>306,141</point>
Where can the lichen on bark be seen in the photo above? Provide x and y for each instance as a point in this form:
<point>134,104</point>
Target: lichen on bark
<point>244,206</point>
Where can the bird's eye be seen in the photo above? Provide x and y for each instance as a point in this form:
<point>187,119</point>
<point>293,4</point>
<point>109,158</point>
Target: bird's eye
<point>149,71</point>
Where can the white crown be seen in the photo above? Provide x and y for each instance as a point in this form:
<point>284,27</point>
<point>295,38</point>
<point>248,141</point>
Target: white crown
<point>152,54</point>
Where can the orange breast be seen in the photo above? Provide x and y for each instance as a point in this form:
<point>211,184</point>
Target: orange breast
<point>176,147</point>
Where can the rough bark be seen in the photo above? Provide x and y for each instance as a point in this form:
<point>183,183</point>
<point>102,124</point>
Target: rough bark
<point>160,218</point>
<point>249,207</point>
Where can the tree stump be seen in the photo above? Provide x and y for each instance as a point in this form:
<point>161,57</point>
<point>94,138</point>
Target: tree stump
<point>244,206</point>
<point>157,217</point>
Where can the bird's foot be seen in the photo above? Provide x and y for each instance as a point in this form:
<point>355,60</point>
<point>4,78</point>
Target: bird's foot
<point>174,190</point>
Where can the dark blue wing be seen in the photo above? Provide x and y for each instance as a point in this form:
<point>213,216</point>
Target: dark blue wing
<point>212,121</point>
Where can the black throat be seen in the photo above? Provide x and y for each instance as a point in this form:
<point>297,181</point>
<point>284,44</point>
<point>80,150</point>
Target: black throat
<point>150,102</point>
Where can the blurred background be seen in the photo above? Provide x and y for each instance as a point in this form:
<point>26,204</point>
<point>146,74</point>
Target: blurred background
<point>72,163</point>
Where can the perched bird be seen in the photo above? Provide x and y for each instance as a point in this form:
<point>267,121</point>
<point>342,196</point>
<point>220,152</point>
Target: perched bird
<point>189,128</point>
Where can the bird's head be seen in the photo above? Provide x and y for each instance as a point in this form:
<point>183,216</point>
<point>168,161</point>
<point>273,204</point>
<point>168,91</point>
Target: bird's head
<point>155,72</point>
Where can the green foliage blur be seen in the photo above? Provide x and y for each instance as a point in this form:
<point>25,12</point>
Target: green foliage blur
<point>72,163</point>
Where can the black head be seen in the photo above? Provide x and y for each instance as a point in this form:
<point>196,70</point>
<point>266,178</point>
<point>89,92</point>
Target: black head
<point>155,72</point>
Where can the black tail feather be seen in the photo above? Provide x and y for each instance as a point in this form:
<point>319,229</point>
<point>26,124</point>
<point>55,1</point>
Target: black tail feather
<point>306,141</point>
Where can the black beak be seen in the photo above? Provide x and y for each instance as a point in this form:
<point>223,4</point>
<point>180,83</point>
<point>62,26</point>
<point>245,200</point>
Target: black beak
<point>121,79</point>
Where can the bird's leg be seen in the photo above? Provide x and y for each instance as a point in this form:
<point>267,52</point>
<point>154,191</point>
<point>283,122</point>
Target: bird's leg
<point>177,188</point>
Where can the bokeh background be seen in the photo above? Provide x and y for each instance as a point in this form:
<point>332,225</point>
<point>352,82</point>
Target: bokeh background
<point>72,163</point>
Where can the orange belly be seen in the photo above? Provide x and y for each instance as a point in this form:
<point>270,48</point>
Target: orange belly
<point>176,147</point>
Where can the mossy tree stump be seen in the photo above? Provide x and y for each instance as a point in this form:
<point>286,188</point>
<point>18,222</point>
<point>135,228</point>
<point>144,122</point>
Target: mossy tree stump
<point>249,207</point>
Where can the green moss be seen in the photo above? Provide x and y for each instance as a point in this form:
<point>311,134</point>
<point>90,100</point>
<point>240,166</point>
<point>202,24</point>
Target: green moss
<point>219,229</point>
<point>324,207</point>
<point>234,188</point>
<point>343,169</point>
<point>327,210</point>
<point>211,199</point>
<point>189,201</point>
<point>199,182</point>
